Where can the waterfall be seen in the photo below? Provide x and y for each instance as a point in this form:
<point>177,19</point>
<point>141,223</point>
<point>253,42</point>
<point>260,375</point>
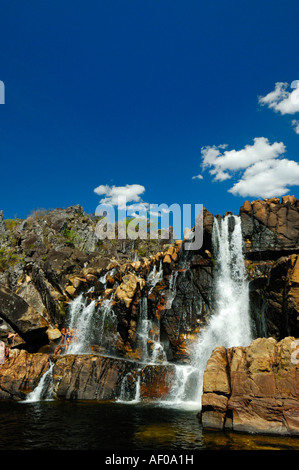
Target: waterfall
<point>179,391</point>
<point>107,320</point>
<point>158,353</point>
<point>143,328</point>
<point>89,321</point>
<point>149,336</point>
<point>103,279</point>
<point>126,392</point>
<point>81,315</point>
<point>172,290</point>
<point>155,276</point>
<point>44,390</point>
<point>151,347</point>
<point>229,324</point>
<point>152,351</point>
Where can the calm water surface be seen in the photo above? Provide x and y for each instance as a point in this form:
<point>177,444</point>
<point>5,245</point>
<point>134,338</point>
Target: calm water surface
<point>116,426</point>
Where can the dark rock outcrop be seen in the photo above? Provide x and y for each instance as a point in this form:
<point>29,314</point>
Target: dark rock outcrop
<point>23,319</point>
<point>270,227</point>
<point>271,241</point>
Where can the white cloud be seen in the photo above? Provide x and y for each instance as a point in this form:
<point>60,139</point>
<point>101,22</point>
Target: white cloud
<point>270,178</point>
<point>119,195</point>
<point>281,100</point>
<point>260,168</point>
<point>223,164</point>
<point>197,177</point>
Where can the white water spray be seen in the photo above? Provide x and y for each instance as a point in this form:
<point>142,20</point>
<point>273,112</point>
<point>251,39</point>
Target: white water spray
<point>155,276</point>
<point>125,392</point>
<point>81,315</point>
<point>229,325</point>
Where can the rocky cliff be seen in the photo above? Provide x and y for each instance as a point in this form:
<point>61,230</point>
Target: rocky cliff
<point>48,259</point>
<point>271,234</point>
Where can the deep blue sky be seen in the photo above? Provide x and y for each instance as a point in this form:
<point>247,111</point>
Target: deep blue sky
<point>111,92</point>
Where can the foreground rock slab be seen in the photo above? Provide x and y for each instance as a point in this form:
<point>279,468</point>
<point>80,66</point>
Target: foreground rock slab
<point>83,377</point>
<point>253,389</point>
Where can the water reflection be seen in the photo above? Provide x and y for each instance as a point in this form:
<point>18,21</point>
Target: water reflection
<point>239,441</point>
<point>114,426</point>
<point>180,431</point>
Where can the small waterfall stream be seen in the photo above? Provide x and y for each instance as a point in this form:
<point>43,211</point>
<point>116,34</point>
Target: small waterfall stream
<point>126,394</point>
<point>81,315</point>
<point>149,336</point>
<point>44,390</point>
<point>155,276</point>
<point>90,328</point>
<point>145,329</point>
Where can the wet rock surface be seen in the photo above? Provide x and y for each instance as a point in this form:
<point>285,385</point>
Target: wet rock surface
<point>83,377</point>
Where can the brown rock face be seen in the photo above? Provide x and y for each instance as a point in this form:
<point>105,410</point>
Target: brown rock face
<point>83,377</point>
<point>253,389</point>
<point>21,373</point>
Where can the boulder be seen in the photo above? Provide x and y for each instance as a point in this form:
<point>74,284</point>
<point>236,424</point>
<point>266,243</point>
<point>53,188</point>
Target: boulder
<point>128,287</point>
<point>54,334</point>
<point>21,373</point>
<point>253,389</point>
<point>24,319</point>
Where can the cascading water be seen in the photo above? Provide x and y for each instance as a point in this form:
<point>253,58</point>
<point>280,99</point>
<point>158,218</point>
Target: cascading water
<point>155,276</point>
<point>152,351</point>
<point>229,325</point>
<point>172,290</point>
<point>126,392</point>
<point>44,390</point>
<point>90,321</point>
<point>146,331</point>
<point>80,319</point>
<point>143,328</point>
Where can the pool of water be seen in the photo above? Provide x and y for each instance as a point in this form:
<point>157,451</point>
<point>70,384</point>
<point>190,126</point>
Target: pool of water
<point>61,425</point>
